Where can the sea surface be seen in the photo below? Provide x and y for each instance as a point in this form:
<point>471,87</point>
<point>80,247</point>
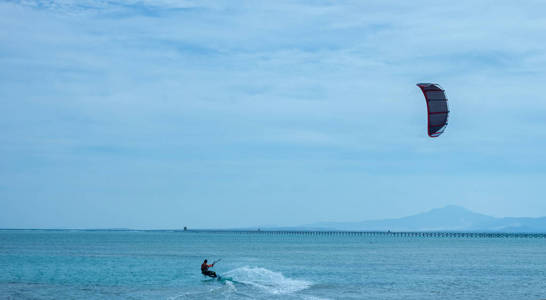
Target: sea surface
<point>38,264</point>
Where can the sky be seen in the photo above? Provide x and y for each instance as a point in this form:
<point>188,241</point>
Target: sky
<point>219,114</point>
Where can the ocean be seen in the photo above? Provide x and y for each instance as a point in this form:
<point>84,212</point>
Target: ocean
<point>65,264</point>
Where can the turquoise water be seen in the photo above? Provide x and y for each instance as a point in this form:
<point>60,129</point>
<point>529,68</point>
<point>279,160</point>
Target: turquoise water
<point>165,265</point>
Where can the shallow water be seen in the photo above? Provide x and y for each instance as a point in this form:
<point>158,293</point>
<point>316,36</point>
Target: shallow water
<point>165,265</point>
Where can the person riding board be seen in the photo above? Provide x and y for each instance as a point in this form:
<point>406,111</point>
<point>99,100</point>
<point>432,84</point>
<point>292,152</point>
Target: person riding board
<point>205,269</point>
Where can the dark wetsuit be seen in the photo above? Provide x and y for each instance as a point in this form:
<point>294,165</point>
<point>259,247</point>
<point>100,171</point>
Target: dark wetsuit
<point>205,270</point>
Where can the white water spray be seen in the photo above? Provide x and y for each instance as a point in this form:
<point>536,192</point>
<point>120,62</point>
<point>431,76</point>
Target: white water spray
<point>267,280</point>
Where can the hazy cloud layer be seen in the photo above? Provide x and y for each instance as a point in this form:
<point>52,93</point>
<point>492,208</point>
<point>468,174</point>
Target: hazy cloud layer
<point>160,114</point>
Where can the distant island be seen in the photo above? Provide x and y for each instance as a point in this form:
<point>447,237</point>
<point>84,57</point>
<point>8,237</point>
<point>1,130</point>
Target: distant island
<point>448,218</point>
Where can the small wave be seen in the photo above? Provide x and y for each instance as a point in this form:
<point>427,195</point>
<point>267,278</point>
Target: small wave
<point>219,291</point>
<point>267,280</point>
<point>308,297</point>
<point>231,286</point>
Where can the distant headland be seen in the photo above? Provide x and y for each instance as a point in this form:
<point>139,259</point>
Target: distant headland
<point>448,218</point>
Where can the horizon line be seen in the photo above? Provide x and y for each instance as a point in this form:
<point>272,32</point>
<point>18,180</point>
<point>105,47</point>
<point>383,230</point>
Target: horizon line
<point>265,230</point>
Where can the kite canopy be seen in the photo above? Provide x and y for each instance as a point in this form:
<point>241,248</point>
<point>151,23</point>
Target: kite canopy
<point>436,108</point>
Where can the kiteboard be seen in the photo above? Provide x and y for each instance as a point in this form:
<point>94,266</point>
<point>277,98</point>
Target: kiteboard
<point>218,278</point>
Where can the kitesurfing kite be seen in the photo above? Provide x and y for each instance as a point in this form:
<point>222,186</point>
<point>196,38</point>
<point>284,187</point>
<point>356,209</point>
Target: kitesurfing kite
<point>436,108</point>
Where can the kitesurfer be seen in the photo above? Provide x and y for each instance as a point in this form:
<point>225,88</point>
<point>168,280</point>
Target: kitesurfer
<point>205,269</point>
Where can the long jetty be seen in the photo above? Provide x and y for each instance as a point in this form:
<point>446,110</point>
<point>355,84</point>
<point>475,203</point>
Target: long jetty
<point>417,234</point>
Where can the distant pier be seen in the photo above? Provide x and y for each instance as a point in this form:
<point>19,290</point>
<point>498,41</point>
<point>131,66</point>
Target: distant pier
<point>415,234</point>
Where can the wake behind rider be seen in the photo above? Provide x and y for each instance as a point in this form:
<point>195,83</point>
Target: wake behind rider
<point>205,269</point>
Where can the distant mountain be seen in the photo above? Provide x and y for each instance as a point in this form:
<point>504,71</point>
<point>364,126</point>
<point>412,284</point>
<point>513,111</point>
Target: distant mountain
<point>449,218</point>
